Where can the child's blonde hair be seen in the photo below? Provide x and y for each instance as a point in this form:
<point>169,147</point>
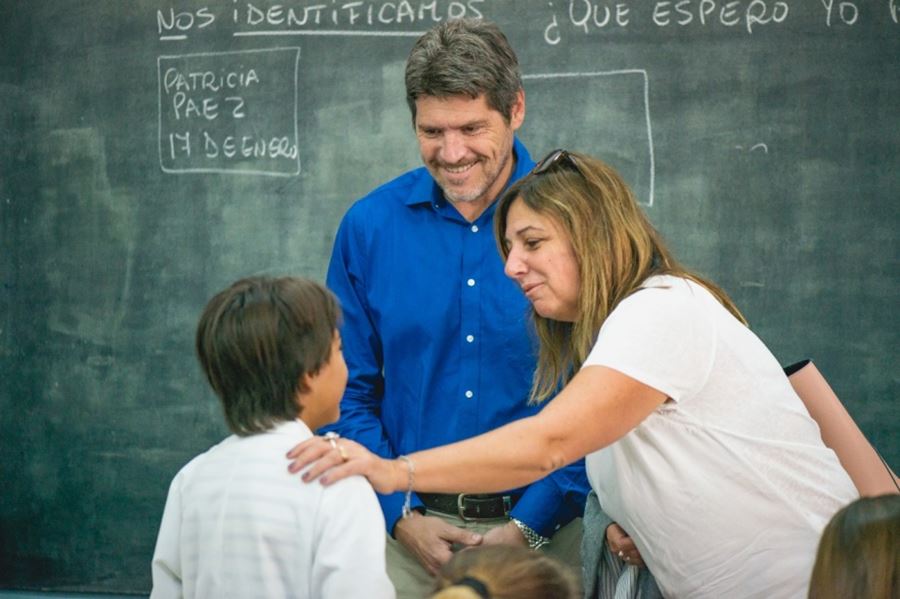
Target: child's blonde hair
<point>505,572</point>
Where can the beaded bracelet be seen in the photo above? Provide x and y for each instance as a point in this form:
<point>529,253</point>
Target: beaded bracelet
<point>411,471</point>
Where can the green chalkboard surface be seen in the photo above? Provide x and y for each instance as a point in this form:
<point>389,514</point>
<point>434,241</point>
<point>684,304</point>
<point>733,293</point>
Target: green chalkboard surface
<point>151,152</point>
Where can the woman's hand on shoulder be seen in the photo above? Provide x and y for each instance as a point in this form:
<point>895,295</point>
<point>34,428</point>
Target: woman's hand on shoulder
<point>330,459</point>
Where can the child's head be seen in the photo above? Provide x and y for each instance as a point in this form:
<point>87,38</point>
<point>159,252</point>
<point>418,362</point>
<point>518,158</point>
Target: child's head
<point>504,572</point>
<point>270,349</point>
<point>858,552</point>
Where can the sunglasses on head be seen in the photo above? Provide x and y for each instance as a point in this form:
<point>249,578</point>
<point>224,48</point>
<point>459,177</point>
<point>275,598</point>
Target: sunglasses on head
<point>558,157</point>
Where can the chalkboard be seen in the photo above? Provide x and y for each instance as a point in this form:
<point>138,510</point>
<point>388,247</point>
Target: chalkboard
<point>153,151</point>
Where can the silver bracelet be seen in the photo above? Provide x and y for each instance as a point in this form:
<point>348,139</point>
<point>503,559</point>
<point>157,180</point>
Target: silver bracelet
<point>534,540</point>
<point>411,471</point>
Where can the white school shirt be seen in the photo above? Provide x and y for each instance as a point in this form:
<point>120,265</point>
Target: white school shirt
<point>238,524</point>
<point>727,486</point>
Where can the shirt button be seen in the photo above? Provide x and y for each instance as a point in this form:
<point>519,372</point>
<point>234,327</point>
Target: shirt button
<point>471,282</point>
<point>469,394</point>
<point>474,228</point>
<point>470,338</point>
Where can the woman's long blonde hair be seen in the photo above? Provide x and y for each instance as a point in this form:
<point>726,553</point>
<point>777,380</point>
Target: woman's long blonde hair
<point>616,247</point>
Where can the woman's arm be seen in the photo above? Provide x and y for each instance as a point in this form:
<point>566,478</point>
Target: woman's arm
<point>598,406</point>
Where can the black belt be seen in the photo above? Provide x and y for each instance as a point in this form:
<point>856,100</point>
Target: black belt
<point>470,507</point>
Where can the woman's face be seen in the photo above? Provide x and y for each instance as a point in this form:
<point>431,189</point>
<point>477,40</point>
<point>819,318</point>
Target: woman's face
<point>541,260</point>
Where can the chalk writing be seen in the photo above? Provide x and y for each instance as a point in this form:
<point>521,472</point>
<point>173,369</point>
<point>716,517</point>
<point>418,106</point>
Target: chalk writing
<point>208,80</point>
<point>413,17</point>
<point>229,112</point>
<point>758,146</point>
<point>353,17</point>
<point>169,21</point>
<point>747,16</point>
<point>354,13</point>
<point>729,14</point>
<point>846,12</point>
<point>585,14</point>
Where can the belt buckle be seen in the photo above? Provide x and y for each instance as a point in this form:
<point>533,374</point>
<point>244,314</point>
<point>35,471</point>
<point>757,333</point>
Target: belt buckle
<point>461,507</point>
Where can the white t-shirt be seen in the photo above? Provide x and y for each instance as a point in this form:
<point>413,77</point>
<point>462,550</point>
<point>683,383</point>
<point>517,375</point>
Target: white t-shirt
<point>727,486</point>
<point>238,524</point>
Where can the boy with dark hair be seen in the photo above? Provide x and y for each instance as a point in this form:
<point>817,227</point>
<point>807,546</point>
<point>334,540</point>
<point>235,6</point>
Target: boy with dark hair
<point>236,523</point>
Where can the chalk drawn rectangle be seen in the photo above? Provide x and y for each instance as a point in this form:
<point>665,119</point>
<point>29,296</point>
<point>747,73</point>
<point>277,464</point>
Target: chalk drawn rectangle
<point>607,114</point>
<point>233,131</point>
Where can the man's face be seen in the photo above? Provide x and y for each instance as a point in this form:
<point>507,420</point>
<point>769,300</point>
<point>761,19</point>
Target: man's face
<point>466,145</point>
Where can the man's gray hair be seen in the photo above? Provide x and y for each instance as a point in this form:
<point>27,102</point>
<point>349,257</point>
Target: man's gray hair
<point>464,57</point>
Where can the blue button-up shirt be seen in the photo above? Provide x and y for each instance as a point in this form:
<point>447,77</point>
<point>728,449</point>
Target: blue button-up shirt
<point>436,337</point>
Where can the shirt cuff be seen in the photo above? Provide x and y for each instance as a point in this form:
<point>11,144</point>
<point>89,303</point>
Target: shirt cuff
<point>392,507</point>
<point>552,502</point>
<point>532,509</point>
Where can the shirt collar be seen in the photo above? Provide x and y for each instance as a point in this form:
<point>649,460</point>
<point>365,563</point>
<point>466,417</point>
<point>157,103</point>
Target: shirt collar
<point>427,191</point>
<point>292,427</point>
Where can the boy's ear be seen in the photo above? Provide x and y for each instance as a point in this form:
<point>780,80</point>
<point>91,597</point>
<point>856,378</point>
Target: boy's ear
<point>308,382</point>
<point>304,385</point>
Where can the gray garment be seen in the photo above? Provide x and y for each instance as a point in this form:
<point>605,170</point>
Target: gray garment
<point>603,574</point>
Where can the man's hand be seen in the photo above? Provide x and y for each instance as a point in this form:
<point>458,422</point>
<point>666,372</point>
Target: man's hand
<point>506,534</point>
<point>431,539</point>
<point>622,545</point>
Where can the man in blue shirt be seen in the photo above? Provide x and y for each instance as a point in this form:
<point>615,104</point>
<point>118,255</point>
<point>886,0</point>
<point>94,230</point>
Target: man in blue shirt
<point>436,337</point>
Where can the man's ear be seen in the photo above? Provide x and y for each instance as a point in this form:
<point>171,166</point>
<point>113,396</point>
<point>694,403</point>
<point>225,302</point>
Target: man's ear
<point>517,111</point>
